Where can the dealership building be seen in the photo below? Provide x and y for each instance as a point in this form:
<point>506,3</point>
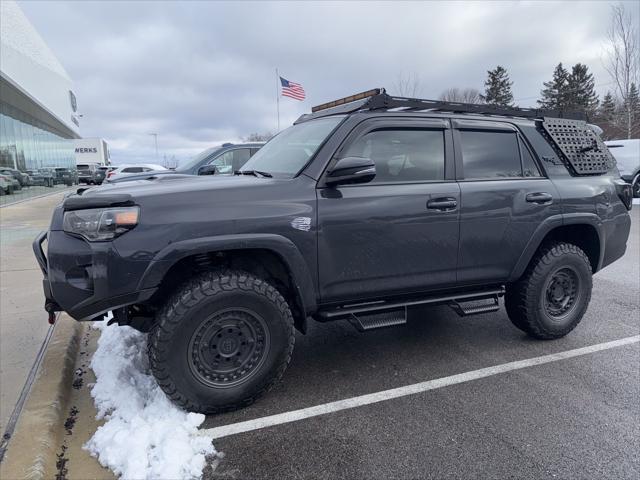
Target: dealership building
<point>38,109</point>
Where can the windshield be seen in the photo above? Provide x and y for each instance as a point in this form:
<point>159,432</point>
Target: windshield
<point>288,152</point>
<point>197,159</point>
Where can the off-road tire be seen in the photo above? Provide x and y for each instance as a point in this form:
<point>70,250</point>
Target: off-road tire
<point>526,300</point>
<point>189,311</point>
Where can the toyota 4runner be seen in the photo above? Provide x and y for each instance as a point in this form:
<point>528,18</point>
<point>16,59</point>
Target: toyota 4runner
<point>362,209</point>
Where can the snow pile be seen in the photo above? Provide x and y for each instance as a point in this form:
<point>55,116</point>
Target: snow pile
<point>145,436</point>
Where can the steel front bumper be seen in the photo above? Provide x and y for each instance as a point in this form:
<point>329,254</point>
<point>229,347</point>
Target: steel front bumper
<point>86,280</point>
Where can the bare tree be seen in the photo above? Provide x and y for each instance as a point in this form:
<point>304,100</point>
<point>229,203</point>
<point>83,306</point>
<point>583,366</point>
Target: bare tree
<point>258,137</point>
<point>407,85</point>
<point>624,61</point>
<point>464,95</point>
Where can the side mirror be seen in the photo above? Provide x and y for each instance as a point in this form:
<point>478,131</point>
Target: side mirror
<point>207,170</point>
<point>351,170</point>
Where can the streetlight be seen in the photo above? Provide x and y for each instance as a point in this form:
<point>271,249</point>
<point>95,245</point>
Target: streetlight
<point>155,136</point>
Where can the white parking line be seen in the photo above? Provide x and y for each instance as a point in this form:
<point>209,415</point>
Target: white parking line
<point>332,407</point>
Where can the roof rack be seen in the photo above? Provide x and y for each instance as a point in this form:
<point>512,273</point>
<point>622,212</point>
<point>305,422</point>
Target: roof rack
<point>378,99</point>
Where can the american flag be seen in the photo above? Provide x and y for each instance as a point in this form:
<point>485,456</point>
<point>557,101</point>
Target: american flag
<point>292,89</point>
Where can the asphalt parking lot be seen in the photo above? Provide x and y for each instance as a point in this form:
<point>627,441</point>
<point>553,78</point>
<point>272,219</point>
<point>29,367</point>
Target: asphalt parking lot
<point>575,417</point>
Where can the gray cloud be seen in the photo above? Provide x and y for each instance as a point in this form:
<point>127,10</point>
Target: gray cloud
<point>201,73</point>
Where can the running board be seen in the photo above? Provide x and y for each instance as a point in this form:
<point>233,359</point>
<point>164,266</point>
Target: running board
<point>369,321</point>
<point>476,306</point>
<point>385,313</point>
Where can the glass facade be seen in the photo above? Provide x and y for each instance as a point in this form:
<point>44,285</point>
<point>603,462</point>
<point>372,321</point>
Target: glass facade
<point>28,144</point>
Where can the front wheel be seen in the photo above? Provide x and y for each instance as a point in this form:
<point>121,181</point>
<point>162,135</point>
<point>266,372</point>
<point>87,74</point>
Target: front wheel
<point>221,341</point>
<point>635,185</point>
<point>553,294</point>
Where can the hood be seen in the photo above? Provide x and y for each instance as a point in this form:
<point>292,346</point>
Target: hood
<point>170,189</point>
<point>144,176</point>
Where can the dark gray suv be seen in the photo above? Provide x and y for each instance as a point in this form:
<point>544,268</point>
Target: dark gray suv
<point>361,210</point>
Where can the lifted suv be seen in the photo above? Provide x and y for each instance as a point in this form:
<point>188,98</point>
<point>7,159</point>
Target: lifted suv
<point>366,207</point>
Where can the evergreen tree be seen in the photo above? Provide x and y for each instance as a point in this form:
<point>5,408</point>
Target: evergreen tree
<point>498,88</point>
<point>607,110</point>
<point>554,93</point>
<point>633,102</point>
<point>632,111</point>
<point>581,95</point>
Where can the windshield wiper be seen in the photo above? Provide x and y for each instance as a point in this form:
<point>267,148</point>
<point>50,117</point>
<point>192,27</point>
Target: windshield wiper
<point>255,173</point>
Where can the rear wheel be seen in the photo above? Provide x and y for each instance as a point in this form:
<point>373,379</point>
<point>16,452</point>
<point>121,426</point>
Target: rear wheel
<point>221,342</point>
<point>553,294</point>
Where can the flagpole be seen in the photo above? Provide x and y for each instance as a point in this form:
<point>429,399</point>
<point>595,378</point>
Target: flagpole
<point>278,98</point>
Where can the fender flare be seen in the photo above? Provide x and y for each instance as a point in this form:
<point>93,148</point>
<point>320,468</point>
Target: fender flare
<point>550,224</point>
<point>284,248</point>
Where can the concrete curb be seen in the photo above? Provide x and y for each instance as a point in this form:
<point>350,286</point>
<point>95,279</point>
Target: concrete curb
<point>31,453</point>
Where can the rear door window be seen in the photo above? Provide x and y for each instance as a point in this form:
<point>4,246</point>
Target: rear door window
<point>488,154</point>
<point>240,157</point>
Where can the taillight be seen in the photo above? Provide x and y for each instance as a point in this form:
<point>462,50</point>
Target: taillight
<point>110,174</point>
<point>625,192</point>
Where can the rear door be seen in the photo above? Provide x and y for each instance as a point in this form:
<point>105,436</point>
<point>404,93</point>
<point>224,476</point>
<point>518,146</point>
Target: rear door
<point>398,233</point>
<point>504,197</point>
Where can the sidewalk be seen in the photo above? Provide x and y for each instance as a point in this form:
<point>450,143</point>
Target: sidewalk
<point>23,321</point>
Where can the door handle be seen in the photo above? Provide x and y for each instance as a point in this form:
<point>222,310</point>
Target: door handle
<point>442,204</point>
<point>539,197</point>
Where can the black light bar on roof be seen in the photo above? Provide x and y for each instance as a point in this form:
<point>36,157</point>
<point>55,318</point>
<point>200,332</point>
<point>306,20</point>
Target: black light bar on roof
<point>349,99</point>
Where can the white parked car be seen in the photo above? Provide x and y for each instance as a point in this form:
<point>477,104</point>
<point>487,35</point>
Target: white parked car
<point>627,155</point>
<point>133,169</point>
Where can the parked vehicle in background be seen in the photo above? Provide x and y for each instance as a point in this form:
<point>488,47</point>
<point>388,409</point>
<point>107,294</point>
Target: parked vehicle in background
<point>123,171</point>
<point>13,176</point>
<point>627,155</point>
<point>64,176</point>
<point>6,186</point>
<point>222,160</point>
<point>103,171</point>
<point>361,210</point>
<point>17,176</point>
<point>88,173</point>
<point>42,177</point>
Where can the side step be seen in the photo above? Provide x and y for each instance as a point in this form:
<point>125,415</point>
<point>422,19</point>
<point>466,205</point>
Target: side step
<point>369,321</point>
<point>367,316</point>
<point>476,306</point>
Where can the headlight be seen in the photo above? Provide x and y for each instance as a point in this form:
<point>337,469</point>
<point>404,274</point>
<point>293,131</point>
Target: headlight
<point>97,224</point>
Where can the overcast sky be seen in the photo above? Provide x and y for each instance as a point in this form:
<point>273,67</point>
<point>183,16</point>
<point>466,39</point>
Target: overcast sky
<point>202,73</point>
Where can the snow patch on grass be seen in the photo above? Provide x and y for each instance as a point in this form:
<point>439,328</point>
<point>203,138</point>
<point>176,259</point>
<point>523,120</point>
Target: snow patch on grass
<point>145,436</point>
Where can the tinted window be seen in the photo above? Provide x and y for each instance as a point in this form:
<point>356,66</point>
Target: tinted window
<point>529,166</point>
<point>487,154</point>
<point>240,157</point>
<point>132,170</point>
<point>402,155</point>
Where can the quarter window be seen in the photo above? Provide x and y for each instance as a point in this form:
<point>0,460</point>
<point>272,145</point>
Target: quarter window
<point>529,167</point>
<point>402,155</point>
<point>490,154</point>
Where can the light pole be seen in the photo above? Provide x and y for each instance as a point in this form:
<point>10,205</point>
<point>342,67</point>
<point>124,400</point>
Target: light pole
<point>155,137</point>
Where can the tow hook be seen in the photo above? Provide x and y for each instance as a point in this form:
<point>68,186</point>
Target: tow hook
<point>51,308</point>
